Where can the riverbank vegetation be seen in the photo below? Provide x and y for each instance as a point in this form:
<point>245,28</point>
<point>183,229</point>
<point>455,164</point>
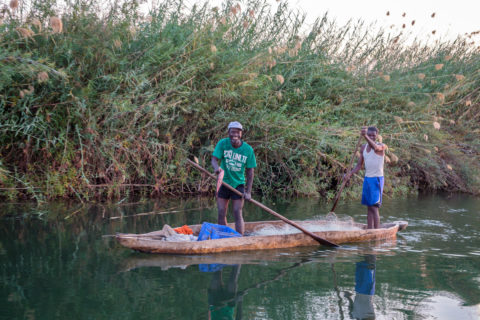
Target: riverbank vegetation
<point>106,102</point>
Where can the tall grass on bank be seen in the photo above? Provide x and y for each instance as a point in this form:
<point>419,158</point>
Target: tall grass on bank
<point>103,102</point>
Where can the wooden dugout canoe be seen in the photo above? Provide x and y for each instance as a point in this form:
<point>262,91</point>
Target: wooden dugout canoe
<point>150,243</point>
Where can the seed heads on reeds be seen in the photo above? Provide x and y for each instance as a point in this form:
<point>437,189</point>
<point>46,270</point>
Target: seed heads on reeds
<point>449,167</point>
<point>398,119</point>
<point>468,103</point>
<point>438,66</point>
<point>235,9</point>
<point>251,13</point>
<point>421,76</point>
<point>25,32</point>
<point>213,49</point>
<point>393,157</point>
<point>447,58</point>
<point>350,68</point>
<point>436,125</point>
<point>37,24</point>
<point>452,122</point>
<point>56,24</point>
<point>433,82</point>
<point>117,43</point>
<point>425,137</point>
<point>411,104</point>
<point>245,24</point>
<point>42,77</point>
<point>413,22</point>
<point>433,15</point>
<point>280,78</point>
<point>14,4</point>
<point>386,78</point>
<point>440,97</point>
<point>279,95</point>
<point>403,26</point>
<point>459,77</point>
<point>434,31</point>
<point>388,13</point>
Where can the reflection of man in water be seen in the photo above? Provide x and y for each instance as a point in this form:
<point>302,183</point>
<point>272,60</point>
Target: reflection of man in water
<point>364,288</point>
<point>222,298</point>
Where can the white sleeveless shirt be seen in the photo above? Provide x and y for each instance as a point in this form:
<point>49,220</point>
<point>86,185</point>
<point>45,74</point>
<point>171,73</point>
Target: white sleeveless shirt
<point>373,163</point>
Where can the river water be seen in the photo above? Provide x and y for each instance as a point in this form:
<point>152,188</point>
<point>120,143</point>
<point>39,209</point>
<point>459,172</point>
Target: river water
<point>58,262</point>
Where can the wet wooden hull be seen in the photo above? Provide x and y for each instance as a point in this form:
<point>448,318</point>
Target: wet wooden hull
<point>148,242</point>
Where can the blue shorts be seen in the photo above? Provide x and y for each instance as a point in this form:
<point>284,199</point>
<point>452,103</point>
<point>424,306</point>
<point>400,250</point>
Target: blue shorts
<point>372,191</point>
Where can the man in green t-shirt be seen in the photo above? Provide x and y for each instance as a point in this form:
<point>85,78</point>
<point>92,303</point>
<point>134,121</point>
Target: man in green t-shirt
<point>236,158</point>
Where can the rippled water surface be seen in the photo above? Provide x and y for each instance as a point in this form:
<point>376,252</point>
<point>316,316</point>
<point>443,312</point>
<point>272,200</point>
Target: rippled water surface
<point>59,262</point>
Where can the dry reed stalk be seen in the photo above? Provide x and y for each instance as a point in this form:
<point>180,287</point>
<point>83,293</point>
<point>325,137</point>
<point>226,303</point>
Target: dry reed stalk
<point>56,24</point>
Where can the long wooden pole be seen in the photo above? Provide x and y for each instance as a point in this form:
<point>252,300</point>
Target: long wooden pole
<point>344,182</point>
<point>258,204</point>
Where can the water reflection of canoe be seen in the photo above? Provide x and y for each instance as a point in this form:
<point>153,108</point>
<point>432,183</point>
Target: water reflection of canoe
<point>385,247</point>
<point>149,242</point>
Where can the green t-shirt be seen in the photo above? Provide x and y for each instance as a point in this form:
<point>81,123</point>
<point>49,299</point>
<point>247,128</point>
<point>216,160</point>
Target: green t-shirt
<point>234,161</point>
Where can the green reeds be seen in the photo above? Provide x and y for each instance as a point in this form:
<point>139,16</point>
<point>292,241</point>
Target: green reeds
<point>110,101</point>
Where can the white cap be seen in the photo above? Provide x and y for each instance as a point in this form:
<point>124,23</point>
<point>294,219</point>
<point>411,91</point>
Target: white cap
<point>235,125</point>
